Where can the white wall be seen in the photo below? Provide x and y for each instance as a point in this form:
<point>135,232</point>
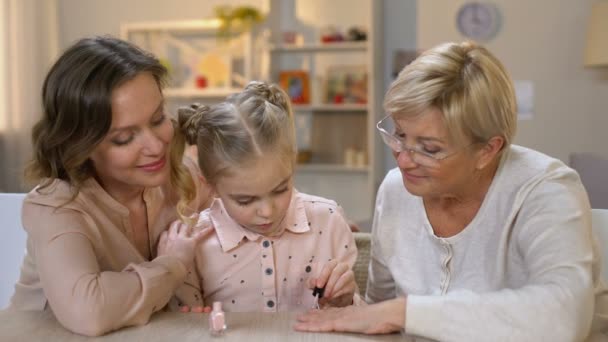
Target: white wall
<point>541,41</point>
<point>399,34</point>
<point>78,18</point>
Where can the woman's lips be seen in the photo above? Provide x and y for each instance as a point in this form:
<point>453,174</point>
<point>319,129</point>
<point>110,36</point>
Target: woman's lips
<point>412,178</point>
<point>156,166</point>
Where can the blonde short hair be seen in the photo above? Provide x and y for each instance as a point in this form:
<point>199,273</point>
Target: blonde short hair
<point>466,83</point>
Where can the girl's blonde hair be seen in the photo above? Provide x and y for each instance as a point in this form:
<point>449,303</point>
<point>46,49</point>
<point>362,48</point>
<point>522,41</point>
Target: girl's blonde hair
<point>467,84</point>
<point>248,124</point>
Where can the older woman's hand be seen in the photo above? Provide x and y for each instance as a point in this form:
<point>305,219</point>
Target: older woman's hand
<point>180,242</point>
<point>381,318</point>
<point>338,279</point>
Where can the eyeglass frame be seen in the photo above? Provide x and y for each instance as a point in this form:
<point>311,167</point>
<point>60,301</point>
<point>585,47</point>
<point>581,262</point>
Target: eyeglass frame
<point>404,148</point>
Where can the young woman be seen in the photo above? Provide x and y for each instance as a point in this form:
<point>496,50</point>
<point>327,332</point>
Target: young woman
<point>107,162</point>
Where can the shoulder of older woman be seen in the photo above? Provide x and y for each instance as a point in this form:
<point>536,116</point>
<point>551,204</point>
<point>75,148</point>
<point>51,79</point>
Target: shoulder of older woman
<point>538,260</point>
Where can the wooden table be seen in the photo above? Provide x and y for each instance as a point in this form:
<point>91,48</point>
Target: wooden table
<point>173,326</point>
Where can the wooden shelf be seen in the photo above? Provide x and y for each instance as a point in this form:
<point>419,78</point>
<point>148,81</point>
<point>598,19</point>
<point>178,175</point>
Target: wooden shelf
<point>331,168</point>
<point>187,93</point>
<point>322,47</point>
<point>210,25</point>
<point>347,107</point>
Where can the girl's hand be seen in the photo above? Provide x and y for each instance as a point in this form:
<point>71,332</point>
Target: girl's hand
<point>180,242</point>
<point>339,282</point>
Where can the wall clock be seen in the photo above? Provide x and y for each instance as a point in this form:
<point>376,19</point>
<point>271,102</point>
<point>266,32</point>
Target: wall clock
<point>479,21</point>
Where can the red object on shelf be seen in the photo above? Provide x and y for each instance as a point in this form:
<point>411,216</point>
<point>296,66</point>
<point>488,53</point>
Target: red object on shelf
<point>201,82</point>
<point>338,98</point>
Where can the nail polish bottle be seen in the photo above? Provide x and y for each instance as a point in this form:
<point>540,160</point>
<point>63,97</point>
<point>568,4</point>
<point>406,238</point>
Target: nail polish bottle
<point>217,320</point>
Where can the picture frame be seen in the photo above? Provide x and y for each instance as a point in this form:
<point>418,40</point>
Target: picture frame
<point>346,84</point>
<point>296,84</point>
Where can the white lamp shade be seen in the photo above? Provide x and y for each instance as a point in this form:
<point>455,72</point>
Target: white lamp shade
<point>596,51</point>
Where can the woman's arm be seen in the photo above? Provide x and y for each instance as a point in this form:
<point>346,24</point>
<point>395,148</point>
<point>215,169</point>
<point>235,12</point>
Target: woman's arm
<point>90,301</point>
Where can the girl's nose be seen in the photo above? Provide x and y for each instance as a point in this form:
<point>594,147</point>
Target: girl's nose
<point>265,209</point>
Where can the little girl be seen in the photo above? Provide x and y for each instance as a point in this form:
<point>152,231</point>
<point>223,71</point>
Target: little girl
<point>271,244</point>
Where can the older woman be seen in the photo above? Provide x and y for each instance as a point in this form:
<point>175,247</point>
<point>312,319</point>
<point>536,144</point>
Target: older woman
<point>110,178</point>
<point>474,238</point>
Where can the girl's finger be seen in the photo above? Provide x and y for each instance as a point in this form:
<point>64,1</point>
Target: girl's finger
<point>184,309</point>
<point>346,284</point>
<point>312,282</point>
<point>181,228</point>
<point>186,230</point>
<point>336,273</point>
<point>173,229</point>
<point>325,273</point>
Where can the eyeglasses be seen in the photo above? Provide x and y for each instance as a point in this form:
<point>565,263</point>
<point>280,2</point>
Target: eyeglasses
<point>387,129</point>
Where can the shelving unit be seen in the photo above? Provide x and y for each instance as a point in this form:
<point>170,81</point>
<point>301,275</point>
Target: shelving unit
<point>335,128</point>
<point>321,47</point>
<point>194,93</point>
<point>349,107</point>
<point>195,36</point>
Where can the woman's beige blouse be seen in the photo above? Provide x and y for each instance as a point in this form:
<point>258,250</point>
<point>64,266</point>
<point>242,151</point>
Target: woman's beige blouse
<point>82,262</point>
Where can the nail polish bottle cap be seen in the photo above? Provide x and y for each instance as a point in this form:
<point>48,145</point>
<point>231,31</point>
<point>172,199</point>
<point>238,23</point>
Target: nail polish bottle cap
<point>217,306</point>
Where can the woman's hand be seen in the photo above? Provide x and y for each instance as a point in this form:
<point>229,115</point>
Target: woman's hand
<point>381,318</point>
<point>195,309</point>
<point>180,242</point>
<point>338,279</point>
